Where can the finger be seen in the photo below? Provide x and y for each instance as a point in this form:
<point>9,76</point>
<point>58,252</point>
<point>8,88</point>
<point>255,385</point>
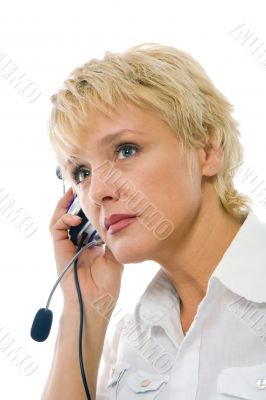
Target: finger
<point>59,230</point>
<point>62,206</point>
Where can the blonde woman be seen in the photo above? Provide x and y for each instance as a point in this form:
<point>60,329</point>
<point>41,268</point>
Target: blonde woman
<point>155,117</point>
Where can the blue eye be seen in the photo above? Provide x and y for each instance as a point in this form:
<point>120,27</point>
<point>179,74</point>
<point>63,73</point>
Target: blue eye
<point>81,172</point>
<point>124,146</point>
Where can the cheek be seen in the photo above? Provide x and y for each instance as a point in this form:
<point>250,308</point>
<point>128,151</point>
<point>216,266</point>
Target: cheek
<point>170,188</point>
<point>151,191</point>
<point>91,212</point>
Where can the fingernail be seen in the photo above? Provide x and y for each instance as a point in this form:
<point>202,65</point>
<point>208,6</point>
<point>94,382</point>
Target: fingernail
<point>77,218</point>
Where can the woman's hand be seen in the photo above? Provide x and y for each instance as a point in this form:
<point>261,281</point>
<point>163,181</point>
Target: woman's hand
<point>99,273</point>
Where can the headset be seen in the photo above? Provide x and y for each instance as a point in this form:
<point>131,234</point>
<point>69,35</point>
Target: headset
<point>83,236</point>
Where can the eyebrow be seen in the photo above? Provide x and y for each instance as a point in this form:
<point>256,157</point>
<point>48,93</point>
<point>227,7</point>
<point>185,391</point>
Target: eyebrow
<point>106,140</point>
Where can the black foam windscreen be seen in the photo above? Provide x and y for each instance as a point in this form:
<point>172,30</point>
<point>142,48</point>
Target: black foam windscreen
<point>41,325</point>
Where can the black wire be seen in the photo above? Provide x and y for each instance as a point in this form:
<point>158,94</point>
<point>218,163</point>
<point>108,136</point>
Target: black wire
<point>84,235</point>
<point>81,321</point>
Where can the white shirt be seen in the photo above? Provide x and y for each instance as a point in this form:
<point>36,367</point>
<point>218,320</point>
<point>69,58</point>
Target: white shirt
<point>223,354</point>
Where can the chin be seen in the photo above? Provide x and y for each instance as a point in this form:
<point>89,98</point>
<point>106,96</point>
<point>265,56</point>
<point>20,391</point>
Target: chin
<point>128,257</point>
<point>131,252</point>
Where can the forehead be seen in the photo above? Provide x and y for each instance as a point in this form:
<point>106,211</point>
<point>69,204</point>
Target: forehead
<point>126,116</point>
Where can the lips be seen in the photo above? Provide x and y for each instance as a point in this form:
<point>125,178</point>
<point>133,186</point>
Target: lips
<point>114,218</point>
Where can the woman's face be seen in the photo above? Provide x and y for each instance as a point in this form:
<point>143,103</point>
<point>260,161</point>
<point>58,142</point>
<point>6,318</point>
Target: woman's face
<point>152,164</point>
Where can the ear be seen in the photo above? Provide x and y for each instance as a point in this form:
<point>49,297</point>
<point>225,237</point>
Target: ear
<point>211,159</point>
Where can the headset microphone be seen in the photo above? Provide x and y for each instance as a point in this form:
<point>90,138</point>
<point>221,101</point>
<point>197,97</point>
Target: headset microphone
<point>41,325</point>
<point>84,236</point>
<point>43,319</point>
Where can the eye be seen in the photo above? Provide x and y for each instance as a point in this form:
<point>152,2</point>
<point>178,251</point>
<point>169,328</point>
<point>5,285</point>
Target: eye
<point>81,172</point>
<point>125,146</point>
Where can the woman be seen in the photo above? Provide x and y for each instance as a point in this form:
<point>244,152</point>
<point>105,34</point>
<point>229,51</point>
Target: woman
<point>154,116</point>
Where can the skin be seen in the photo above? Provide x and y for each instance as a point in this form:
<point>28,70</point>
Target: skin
<point>203,229</point>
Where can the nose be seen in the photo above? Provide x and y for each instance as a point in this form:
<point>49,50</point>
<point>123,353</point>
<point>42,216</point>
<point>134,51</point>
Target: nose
<point>101,189</point>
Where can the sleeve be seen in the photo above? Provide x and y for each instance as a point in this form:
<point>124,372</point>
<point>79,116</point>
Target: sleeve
<point>108,359</point>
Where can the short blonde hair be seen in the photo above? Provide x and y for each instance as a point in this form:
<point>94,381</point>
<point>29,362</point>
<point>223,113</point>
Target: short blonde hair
<point>162,79</point>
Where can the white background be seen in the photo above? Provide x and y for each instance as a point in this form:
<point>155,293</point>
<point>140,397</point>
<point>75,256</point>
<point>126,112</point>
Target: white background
<point>47,40</point>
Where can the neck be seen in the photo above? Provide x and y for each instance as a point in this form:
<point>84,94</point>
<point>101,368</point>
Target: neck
<point>190,264</point>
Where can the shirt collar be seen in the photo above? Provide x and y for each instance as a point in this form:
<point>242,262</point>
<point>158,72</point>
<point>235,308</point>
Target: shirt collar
<point>159,306</point>
<point>242,268</point>
<point>158,299</point>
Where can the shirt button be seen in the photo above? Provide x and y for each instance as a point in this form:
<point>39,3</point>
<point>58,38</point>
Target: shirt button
<point>261,384</point>
<point>145,382</point>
